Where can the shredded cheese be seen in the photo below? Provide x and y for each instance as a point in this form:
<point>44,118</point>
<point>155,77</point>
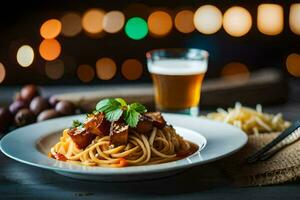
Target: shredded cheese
<point>252,121</point>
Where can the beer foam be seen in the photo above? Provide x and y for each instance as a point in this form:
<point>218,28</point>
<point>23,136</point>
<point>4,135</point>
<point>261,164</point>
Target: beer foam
<point>177,67</point>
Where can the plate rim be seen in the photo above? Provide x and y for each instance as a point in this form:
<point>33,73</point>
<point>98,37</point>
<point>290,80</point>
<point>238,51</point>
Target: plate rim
<point>116,171</point>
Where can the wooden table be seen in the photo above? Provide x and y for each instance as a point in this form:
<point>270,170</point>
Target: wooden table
<point>20,181</point>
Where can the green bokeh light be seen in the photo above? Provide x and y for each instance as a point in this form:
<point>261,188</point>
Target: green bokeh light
<point>136,28</point>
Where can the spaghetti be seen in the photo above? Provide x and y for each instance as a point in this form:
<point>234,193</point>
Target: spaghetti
<point>252,121</point>
<point>159,145</point>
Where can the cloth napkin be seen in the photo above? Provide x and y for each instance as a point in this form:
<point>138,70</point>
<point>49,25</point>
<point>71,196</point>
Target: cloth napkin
<point>282,167</point>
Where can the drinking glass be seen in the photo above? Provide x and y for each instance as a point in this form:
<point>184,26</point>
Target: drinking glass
<point>177,76</point>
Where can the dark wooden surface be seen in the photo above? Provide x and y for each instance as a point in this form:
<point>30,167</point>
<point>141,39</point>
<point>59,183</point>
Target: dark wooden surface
<point>258,88</point>
<point>19,181</point>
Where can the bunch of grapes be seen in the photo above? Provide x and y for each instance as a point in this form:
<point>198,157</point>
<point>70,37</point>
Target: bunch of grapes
<point>29,106</point>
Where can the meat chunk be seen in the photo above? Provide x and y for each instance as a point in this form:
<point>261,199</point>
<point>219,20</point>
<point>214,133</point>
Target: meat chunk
<point>145,125</point>
<point>98,125</point>
<point>118,133</point>
<point>81,137</point>
<point>104,127</point>
<point>157,118</point>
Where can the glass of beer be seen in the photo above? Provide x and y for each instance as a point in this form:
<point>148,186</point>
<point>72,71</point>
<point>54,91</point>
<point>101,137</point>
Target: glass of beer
<point>177,76</point>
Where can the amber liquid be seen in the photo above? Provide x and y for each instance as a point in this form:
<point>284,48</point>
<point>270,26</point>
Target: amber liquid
<point>177,92</point>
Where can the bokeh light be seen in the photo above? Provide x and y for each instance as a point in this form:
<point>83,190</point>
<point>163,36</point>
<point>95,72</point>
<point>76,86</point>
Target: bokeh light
<point>50,29</point>
<point>160,23</point>
<point>55,69</point>
<point>106,68</point>
<point>71,24</point>
<point>132,69</point>
<point>208,19</point>
<point>237,21</point>
<point>294,19</point>
<point>50,49</point>
<point>113,21</point>
<point>92,21</point>
<point>270,19</point>
<point>184,21</point>
<point>2,72</point>
<point>136,28</point>
<point>235,70</point>
<point>25,55</point>
<point>293,64</point>
<point>85,73</point>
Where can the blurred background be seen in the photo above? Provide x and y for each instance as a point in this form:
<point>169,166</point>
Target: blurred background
<point>95,42</point>
<point>75,52</point>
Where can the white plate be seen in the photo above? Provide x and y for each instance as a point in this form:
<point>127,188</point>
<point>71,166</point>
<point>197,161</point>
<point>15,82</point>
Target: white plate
<point>31,144</point>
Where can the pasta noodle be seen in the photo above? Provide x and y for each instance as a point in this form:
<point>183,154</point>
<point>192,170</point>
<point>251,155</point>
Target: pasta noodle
<point>159,146</point>
<point>252,121</point>
<point>118,134</point>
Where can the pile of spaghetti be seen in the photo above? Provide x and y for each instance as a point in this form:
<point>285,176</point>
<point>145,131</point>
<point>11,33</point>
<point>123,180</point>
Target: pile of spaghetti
<point>252,121</point>
<point>121,135</point>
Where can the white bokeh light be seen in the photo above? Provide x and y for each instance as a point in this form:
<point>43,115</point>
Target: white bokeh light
<point>113,21</point>
<point>208,19</point>
<point>237,21</point>
<point>25,55</point>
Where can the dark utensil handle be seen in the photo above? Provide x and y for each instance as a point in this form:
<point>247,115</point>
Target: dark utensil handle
<point>268,155</point>
<point>279,138</point>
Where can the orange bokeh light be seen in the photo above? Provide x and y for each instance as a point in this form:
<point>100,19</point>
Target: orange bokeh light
<point>106,68</point>
<point>92,21</point>
<point>50,49</point>
<point>294,18</point>
<point>2,72</point>
<point>50,29</point>
<point>270,18</point>
<point>235,70</point>
<point>293,64</point>
<point>184,21</point>
<point>132,69</point>
<point>160,23</point>
<point>85,73</point>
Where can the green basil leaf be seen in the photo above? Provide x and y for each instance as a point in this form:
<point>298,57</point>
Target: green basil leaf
<point>132,118</point>
<point>121,101</point>
<point>107,105</point>
<point>102,103</point>
<point>138,107</point>
<point>114,108</point>
<point>114,115</point>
